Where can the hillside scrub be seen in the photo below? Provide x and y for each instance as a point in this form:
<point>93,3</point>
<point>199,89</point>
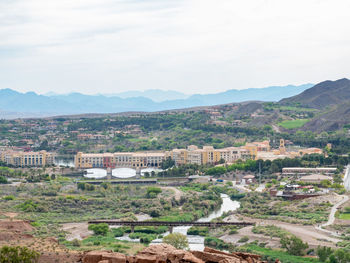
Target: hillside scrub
<point>263,206</point>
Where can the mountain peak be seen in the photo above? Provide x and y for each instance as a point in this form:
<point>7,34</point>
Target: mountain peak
<point>323,94</point>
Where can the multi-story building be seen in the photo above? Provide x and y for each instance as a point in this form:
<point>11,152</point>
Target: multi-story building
<point>27,159</point>
<point>209,155</point>
<point>120,159</point>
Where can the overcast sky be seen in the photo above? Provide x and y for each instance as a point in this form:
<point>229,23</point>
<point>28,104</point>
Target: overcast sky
<point>192,46</point>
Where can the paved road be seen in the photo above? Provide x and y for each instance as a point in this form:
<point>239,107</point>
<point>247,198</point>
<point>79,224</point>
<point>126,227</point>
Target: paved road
<point>347,178</point>
<point>331,216</point>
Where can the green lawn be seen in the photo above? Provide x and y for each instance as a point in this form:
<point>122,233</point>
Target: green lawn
<point>293,124</point>
<point>344,216</point>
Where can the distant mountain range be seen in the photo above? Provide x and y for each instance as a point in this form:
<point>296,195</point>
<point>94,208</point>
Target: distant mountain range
<point>332,98</point>
<point>31,104</point>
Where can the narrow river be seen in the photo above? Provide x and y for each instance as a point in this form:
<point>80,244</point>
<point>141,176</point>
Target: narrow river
<point>197,242</point>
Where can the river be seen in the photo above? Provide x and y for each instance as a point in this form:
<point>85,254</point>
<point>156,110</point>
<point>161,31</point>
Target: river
<point>197,242</point>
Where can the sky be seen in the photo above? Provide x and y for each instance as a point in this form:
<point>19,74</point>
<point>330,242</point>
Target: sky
<point>191,46</point>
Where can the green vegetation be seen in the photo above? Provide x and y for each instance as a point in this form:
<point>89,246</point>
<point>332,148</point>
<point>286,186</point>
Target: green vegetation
<point>18,255</point>
<point>344,216</point>
<point>272,254</point>
<point>217,243</point>
<point>294,245</point>
<point>200,231</point>
<point>98,242</point>
<point>3,180</point>
<point>99,229</point>
<point>329,255</point>
<point>259,205</point>
<point>177,240</point>
<point>270,231</point>
<point>293,124</point>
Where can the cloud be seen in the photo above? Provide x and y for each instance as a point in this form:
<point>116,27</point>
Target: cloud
<point>187,45</point>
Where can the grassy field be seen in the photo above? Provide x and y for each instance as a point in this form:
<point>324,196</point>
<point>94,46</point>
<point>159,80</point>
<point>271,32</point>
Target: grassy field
<point>293,124</point>
<point>344,216</point>
<point>273,254</point>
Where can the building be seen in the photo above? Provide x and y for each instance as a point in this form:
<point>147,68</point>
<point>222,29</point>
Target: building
<point>298,171</point>
<point>209,155</point>
<point>315,178</point>
<point>27,159</point>
<point>119,159</point>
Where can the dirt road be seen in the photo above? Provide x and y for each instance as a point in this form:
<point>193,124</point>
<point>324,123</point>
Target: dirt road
<point>308,234</point>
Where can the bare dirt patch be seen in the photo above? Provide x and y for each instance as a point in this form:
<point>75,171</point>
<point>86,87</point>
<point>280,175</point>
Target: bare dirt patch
<point>77,230</point>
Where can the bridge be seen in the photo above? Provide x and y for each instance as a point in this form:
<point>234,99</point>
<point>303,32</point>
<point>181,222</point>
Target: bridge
<point>171,225</point>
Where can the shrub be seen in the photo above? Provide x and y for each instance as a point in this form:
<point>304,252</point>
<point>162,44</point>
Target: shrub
<point>76,243</point>
<point>3,180</point>
<point>9,197</point>
<point>18,255</point>
<point>152,191</point>
<point>99,229</point>
<point>243,239</point>
<point>177,240</point>
<point>294,245</point>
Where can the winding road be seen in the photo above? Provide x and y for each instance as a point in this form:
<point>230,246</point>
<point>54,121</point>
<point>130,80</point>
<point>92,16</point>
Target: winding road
<point>331,216</point>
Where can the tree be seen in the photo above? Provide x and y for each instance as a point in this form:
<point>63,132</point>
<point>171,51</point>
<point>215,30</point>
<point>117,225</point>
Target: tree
<point>294,245</point>
<point>18,255</point>
<point>337,179</point>
<point>99,229</point>
<point>177,240</point>
<point>323,253</point>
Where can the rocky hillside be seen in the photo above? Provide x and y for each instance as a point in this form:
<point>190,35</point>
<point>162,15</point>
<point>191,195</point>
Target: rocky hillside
<point>324,94</point>
<point>165,253</point>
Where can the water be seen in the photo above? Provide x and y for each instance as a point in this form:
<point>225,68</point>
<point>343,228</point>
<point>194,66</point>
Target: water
<point>197,242</point>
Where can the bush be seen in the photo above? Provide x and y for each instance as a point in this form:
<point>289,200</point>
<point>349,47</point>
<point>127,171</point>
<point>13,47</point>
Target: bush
<point>294,245</point>
<point>177,240</point>
<point>99,229</point>
<point>9,197</point>
<point>3,180</point>
<point>152,191</point>
<point>118,232</point>
<point>200,231</point>
<point>76,243</point>
<point>18,255</point>
<point>243,239</point>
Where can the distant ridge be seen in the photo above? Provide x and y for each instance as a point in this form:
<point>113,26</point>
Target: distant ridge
<point>323,94</point>
<point>52,104</point>
<point>332,98</point>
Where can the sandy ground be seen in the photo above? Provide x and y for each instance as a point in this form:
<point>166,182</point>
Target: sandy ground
<point>308,234</point>
<point>80,230</point>
<point>76,230</point>
<point>246,231</point>
<point>10,214</point>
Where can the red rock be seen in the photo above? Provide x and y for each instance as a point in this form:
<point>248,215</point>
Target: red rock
<point>93,257</point>
<point>114,257</point>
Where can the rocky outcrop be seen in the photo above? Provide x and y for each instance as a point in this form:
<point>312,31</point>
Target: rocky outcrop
<point>164,253</point>
<point>103,257</point>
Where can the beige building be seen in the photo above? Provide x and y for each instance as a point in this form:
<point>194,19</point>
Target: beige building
<point>119,159</point>
<point>208,155</point>
<point>20,158</point>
